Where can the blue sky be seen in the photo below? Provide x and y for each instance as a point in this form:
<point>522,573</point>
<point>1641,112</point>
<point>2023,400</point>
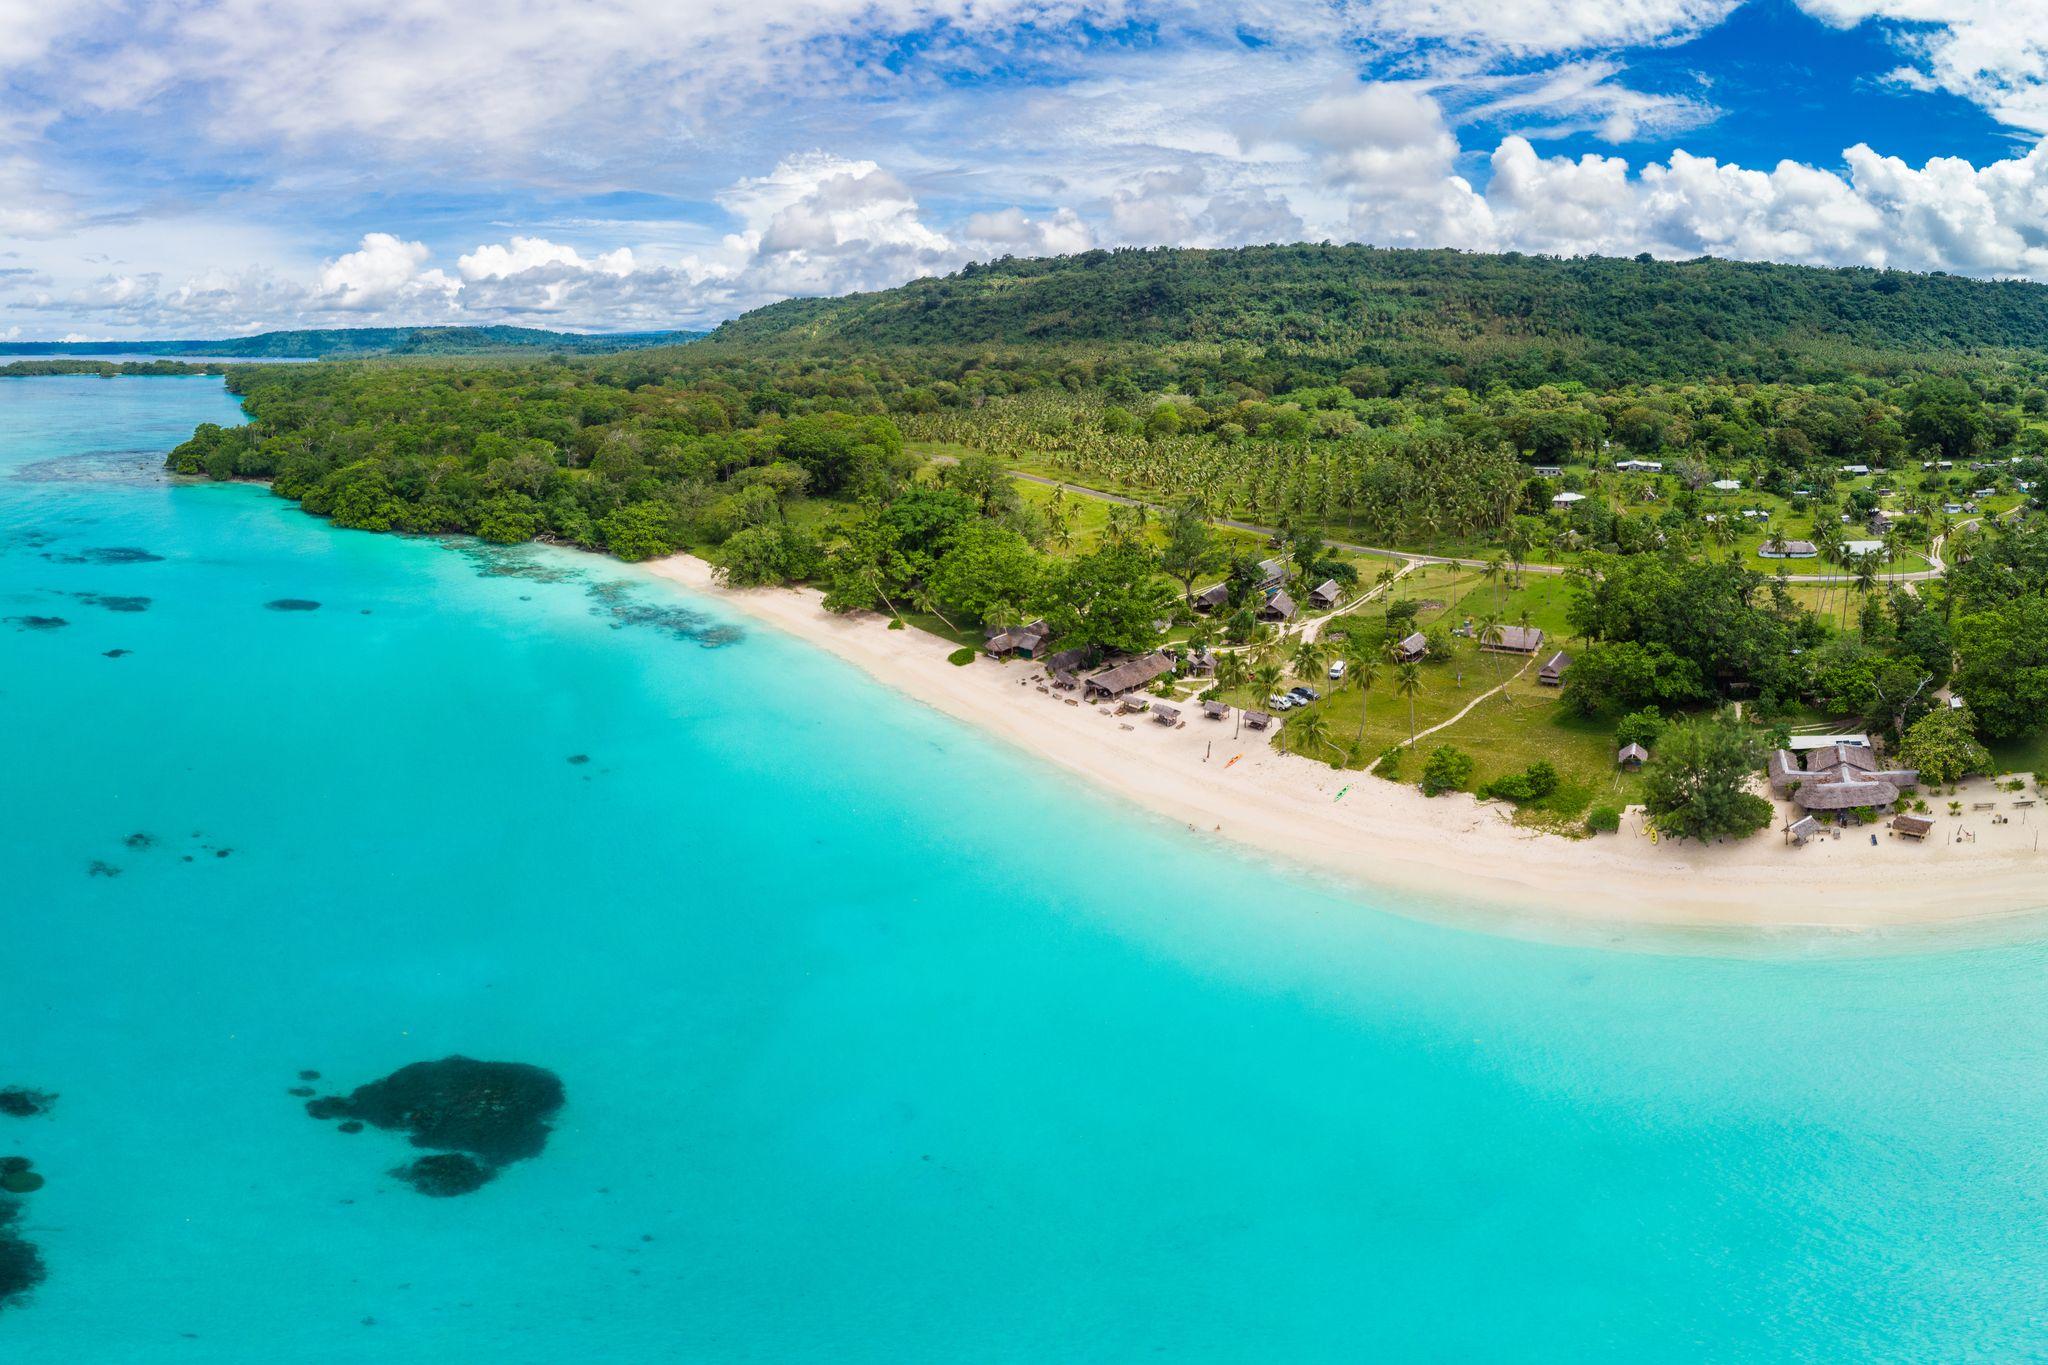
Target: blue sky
<point>225,166</point>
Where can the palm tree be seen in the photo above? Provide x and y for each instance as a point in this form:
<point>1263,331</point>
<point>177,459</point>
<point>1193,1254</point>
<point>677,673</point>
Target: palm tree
<point>1314,729</point>
<point>1408,682</point>
<point>926,601</point>
<point>1233,671</point>
<point>1363,671</point>
<point>1496,570</point>
<point>1489,634</point>
<point>1308,658</point>
<point>1266,679</point>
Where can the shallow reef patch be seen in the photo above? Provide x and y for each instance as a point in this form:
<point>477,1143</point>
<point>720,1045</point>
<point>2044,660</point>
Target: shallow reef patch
<point>479,1115</point>
<point>20,1102</point>
<point>21,1263</point>
<point>446,1174</point>
<point>292,604</point>
<point>107,554</point>
<point>619,602</point>
<point>37,622</point>
<point>111,602</point>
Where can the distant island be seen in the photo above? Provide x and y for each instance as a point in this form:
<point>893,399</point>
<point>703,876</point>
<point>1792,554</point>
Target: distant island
<point>361,342</point>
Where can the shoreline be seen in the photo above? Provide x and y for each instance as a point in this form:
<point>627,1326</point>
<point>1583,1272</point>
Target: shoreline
<point>1451,850</point>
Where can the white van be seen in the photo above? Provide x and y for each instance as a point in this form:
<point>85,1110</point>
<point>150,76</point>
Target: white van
<point>1337,671</point>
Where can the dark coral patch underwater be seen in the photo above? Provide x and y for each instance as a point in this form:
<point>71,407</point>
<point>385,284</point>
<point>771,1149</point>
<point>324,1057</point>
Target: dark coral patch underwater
<point>108,554</point>
<point>481,1115</point>
<point>21,1264</point>
<point>292,604</point>
<point>19,1102</point>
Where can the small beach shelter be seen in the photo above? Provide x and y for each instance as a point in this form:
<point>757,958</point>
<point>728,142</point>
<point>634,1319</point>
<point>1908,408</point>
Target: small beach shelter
<point>1632,756</point>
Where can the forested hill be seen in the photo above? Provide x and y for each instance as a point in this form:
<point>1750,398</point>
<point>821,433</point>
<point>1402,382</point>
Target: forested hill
<point>346,342</point>
<point>1440,314</point>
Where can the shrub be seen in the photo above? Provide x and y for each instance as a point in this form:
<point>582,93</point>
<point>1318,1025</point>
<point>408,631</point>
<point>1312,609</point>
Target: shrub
<point>1603,820</point>
<point>1390,762</point>
<point>1533,783</point>
<point>1447,769</point>
<point>961,657</point>
<point>1639,727</point>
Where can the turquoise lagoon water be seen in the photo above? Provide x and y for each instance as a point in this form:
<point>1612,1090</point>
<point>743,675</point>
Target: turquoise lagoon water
<point>880,1042</point>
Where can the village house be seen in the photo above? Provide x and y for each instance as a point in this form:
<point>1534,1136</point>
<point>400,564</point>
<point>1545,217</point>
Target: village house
<point>1128,676</point>
<point>1213,599</point>
<point>1279,607</point>
<point>1837,777</point>
<point>1022,641</point>
<point>1326,594</point>
<point>1513,640</point>
<point>1411,649</point>
<point>1789,549</point>
<point>1553,670</point>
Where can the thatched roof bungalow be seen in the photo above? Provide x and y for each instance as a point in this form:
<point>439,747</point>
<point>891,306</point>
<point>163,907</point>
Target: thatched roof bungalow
<point>1213,599</point>
<point>1257,720</point>
<point>1326,594</point>
<point>1912,826</point>
<point>1023,641</point>
<point>1129,676</point>
<point>1553,670</point>
<point>1411,649</point>
<point>1279,607</point>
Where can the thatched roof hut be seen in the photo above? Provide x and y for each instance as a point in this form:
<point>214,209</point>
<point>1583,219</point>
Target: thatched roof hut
<point>1411,649</point>
<point>1325,594</point>
<point>1257,720</point>
<point>1129,675</point>
<point>1216,710</point>
<point>1166,715</point>
<point>1912,826</point>
<point>1553,670</point>
<point>1279,607</point>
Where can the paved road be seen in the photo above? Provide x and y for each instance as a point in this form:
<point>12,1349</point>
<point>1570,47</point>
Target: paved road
<point>1409,556</point>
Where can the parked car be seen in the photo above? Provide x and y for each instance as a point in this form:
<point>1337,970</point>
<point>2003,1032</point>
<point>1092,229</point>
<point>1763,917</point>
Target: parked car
<point>1304,695</point>
<point>1281,701</point>
<point>1337,671</point>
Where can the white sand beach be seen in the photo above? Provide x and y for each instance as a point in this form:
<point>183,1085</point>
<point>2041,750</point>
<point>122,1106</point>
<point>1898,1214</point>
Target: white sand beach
<point>1453,848</point>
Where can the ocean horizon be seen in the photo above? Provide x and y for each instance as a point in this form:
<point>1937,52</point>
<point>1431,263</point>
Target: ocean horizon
<point>879,1040</point>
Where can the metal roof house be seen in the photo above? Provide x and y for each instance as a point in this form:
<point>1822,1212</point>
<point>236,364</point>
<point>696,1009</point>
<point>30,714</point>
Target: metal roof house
<point>1513,640</point>
<point>1553,670</point>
